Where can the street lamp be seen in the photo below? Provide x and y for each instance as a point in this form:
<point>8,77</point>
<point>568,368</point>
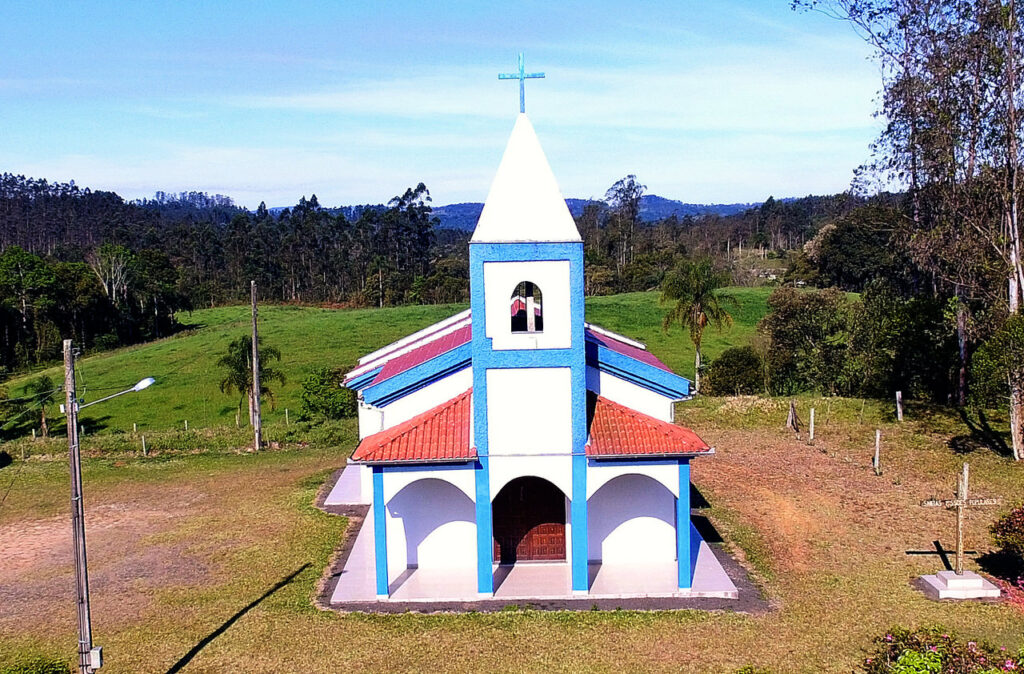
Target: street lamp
<point>89,658</point>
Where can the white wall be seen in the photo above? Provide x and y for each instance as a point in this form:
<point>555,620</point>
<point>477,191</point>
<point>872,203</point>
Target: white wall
<point>426,398</point>
<point>666,474</point>
<point>552,277</point>
<point>371,419</point>
<point>529,411</point>
<point>631,519</point>
<point>430,524</point>
<point>632,396</point>
<point>554,469</point>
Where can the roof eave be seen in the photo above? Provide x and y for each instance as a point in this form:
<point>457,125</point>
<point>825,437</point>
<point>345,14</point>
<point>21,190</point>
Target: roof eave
<point>410,462</point>
<point>710,451</point>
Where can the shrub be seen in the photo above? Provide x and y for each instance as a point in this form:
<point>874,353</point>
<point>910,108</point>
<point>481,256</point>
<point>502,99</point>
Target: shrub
<point>32,663</point>
<point>738,371</point>
<point>933,651</point>
<point>324,397</point>
<point>1008,532</point>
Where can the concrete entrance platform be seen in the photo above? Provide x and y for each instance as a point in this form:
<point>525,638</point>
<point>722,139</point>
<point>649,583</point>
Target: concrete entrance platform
<point>525,582</point>
<point>949,585</point>
<point>347,490</point>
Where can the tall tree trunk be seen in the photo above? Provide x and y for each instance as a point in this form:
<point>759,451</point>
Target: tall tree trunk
<point>252,409</point>
<point>42,423</point>
<point>696,368</point>
<point>961,340</point>
<point>1016,280</point>
<point>1016,430</point>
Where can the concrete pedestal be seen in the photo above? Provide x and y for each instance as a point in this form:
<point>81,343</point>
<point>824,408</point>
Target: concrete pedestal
<point>948,585</point>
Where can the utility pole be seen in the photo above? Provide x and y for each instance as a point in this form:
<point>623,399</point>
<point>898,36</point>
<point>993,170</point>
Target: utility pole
<point>88,661</point>
<point>257,422</point>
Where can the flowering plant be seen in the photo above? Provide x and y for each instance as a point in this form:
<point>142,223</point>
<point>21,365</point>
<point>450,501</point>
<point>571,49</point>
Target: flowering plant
<point>934,651</point>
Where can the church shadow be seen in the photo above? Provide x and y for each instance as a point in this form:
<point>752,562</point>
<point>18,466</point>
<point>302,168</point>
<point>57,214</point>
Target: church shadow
<point>706,529</point>
<point>697,500</point>
<point>982,436</point>
<point>205,641</point>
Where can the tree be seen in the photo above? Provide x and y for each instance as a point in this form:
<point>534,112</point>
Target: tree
<point>113,267</point>
<point>624,201</point>
<point>24,279</point>
<point>951,92</point>
<point>807,341</point>
<point>323,395</point>
<point>738,371</point>
<point>237,368</point>
<point>43,392</point>
<point>999,366</point>
<point>693,288</point>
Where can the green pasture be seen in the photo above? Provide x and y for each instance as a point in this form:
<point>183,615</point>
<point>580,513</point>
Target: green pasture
<point>188,379</point>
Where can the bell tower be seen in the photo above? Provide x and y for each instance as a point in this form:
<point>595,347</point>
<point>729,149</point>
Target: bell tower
<point>529,363</point>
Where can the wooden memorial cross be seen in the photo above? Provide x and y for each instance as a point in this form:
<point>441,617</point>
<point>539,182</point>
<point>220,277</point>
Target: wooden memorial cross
<point>960,503</point>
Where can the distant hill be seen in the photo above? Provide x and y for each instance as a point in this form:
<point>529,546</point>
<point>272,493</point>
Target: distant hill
<point>652,208</point>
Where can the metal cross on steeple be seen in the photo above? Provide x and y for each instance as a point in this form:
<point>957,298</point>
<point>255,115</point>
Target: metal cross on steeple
<point>522,76</point>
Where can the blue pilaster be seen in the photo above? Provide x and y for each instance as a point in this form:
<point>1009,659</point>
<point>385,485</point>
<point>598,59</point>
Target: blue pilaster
<point>683,547</point>
<point>380,539</point>
<point>578,515</point>
<point>484,529</point>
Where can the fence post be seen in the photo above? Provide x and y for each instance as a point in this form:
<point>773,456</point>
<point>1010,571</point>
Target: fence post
<point>877,463</point>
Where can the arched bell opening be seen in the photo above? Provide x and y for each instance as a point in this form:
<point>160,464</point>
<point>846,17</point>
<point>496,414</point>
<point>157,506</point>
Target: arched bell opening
<point>526,308</point>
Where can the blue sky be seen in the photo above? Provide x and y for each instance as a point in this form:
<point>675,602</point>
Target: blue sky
<point>354,101</point>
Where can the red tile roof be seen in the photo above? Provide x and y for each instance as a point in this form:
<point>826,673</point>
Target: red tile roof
<point>432,349</point>
<point>617,431</point>
<point>643,355</point>
<point>439,434</point>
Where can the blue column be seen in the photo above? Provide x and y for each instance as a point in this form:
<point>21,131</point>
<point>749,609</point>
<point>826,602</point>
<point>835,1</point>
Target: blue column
<point>578,516</point>
<point>380,537</point>
<point>484,528</point>
<point>683,526</point>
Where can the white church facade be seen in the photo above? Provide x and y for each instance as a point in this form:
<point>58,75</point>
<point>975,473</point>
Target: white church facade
<point>516,438</point>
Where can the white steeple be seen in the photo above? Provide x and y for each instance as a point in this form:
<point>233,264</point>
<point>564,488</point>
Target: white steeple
<point>524,204</point>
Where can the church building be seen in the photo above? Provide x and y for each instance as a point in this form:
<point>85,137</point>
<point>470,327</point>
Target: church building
<point>515,450</point>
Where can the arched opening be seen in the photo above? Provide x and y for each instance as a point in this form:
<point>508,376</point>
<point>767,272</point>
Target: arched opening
<point>526,308</point>
<point>529,522</point>
<point>632,518</point>
<point>432,524</point>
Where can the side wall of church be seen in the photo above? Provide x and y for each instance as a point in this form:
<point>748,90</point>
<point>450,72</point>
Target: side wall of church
<point>632,396</point>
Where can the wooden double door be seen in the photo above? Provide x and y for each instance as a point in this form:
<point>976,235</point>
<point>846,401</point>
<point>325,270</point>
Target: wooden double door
<point>529,522</point>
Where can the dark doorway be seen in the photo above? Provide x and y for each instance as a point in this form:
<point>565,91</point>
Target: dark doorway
<point>529,522</point>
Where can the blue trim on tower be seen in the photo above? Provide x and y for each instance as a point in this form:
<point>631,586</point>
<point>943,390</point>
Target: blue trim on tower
<point>683,525</point>
<point>573,358</point>
<point>484,529</point>
<point>380,536</point>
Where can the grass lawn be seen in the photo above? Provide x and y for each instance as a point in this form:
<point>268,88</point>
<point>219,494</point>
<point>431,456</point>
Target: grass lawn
<point>188,379</point>
<point>209,561</point>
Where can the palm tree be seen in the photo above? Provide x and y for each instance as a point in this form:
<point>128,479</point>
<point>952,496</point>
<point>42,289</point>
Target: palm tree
<point>237,367</point>
<point>693,286</point>
<point>43,390</point>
